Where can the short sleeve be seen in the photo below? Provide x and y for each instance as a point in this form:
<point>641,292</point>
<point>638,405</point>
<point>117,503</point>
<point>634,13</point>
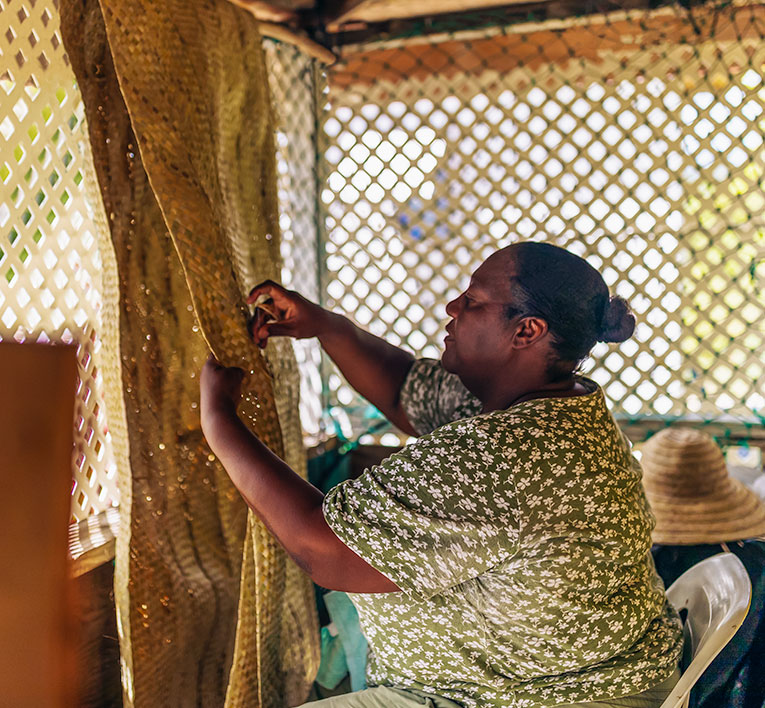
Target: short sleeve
<point>432,397</point>
<point>427,517</point>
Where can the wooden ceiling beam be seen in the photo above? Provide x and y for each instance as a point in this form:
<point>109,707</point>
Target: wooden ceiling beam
<point>350,12</point>
<point>275,10</point>
<point>298,39</point>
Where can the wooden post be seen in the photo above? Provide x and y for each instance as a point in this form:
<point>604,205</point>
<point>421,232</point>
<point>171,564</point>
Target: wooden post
<point>37,393</point>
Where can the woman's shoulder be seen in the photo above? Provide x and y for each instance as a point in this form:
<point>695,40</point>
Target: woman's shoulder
<point>431,396</point>
<point>575,432</point>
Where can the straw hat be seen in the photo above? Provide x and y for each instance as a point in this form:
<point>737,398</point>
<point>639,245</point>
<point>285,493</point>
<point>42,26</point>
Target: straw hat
<point>692,496</point>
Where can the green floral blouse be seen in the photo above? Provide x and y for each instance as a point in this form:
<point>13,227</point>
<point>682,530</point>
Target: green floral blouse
<point>520,539</point>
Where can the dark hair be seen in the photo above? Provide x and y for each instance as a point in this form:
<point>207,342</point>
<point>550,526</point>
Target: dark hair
<point>571,296</point>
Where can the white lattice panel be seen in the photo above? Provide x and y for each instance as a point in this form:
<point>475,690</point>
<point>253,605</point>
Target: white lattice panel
<point>293,77</point>
<point>50,265</point>
<point>647,161</point>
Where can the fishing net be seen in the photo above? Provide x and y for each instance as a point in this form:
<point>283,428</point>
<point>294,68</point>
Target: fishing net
<point>188,183</point>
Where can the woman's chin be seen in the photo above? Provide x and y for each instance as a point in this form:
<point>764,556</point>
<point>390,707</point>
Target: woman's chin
<point>447,360</point>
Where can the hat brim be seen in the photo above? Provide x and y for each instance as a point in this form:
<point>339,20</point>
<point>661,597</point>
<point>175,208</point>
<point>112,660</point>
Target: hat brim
<point>735,514</point>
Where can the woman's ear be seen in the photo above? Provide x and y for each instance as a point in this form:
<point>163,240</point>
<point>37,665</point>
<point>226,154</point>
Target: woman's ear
<point>529,331</point>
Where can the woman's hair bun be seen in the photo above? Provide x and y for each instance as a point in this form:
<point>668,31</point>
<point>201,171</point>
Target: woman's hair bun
<point>618,321</point>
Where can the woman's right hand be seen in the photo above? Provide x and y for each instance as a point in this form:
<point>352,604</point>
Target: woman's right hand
<point>295,316</point>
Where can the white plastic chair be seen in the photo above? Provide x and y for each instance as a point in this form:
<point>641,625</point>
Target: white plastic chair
<point>716,593</point>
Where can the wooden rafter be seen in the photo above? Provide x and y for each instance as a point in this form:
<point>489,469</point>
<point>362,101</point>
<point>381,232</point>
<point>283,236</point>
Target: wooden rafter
<point>372,11</point>
<point>275,10</point>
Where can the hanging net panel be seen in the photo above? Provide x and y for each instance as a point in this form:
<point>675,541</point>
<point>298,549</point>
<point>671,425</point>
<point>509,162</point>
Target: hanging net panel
<point>183,150</point>
<point>632,138</point>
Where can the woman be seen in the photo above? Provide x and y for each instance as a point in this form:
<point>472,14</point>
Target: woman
<point>503,558</point>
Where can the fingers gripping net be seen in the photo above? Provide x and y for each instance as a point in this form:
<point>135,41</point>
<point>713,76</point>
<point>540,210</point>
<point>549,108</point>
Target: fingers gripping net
<point>633,139</point>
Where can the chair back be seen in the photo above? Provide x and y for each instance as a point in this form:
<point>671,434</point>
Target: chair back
<point>716,594</point>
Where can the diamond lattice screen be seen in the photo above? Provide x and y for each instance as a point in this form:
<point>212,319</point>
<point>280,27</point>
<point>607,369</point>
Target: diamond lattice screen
<point>50,263</point>
<point>294,80</point>
<point>633,139</point>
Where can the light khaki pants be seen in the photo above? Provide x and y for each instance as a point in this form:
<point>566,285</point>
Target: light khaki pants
<point>383,697</point>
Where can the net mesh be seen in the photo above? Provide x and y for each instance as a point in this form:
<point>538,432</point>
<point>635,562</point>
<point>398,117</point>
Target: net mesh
<point>632,138</point>
<point>188,183</point>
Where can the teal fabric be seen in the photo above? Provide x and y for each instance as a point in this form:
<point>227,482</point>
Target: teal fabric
<point>333,667</point>
<point>329,469</point>
<point>346,620</point>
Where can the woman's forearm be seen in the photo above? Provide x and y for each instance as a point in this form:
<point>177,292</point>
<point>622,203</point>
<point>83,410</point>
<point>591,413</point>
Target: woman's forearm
<point>281,498</point>
<point>375,368</point>
<point>289,506</point>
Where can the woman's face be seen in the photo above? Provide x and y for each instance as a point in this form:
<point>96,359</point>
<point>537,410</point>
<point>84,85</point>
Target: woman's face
<point>479,335</point>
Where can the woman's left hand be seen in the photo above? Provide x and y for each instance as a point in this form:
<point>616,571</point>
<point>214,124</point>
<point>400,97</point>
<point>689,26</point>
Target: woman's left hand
<point>220,389</point>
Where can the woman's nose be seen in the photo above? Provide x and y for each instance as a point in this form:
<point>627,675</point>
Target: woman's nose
<point>453,306</point>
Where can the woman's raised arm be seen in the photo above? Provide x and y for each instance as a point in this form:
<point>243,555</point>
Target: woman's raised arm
<point>289,506</point>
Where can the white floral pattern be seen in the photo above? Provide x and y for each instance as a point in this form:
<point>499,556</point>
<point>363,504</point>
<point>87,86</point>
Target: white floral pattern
<point>520,539</point>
